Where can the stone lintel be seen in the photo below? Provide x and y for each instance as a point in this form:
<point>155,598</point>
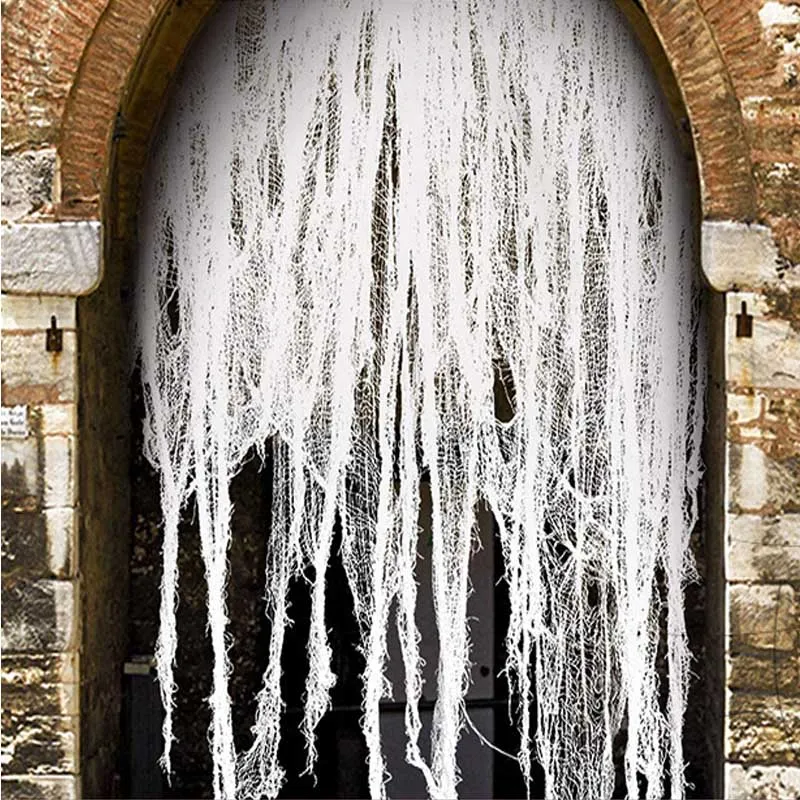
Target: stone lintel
<point>61,258</point>
<point>737,255</point>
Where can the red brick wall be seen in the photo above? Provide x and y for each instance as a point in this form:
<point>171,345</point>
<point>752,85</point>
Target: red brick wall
<point>69,68</point>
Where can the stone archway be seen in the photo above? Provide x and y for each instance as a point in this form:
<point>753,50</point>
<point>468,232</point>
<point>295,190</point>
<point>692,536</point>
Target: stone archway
<point>83,82</point>
<point>666,77</point>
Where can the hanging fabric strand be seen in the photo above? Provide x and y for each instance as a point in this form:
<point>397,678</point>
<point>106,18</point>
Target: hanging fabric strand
<point>360,215</point>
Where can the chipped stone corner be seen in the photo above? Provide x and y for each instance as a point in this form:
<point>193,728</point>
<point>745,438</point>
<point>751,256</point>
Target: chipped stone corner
<point>51,258</point>
<point>738,255</point>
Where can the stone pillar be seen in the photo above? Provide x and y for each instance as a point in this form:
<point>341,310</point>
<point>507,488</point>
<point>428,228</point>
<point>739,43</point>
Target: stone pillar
<point>763,543</point>
<point>41,631</point>
<point>64,624</point>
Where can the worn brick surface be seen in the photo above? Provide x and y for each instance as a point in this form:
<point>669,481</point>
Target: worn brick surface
<point>771,420</point>
<point>43,41</point>
<point>723,156</point>
<point>758,42</point>
<point>771,125</point>
<point>109,60</point>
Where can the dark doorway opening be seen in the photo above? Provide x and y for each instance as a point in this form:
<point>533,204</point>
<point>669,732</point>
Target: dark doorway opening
<point>341,768</point>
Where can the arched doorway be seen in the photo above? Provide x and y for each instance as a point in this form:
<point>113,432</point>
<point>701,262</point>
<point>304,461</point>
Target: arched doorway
<point>249,496</point>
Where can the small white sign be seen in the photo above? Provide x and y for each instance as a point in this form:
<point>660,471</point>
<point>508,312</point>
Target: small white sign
<point>14,422</point>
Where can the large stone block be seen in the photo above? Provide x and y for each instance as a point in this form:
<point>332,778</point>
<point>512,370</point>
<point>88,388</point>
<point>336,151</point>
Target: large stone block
<point>760,484</point>
<point>24,534</point>
<point>27,182</point>
<point>24,539</point>
<point>763,729</point>
<point>771,673</point>
<point>35,312</point>
<point>774,12</point>
<point>763,549</point>
<point>781,302</point>
<point>763,618</point>
<point>770,357</point>
<point>38,615</point>
<point>38,699</point>
<point>32,669</point>
<point>40,684</point>
<point>61,258</point>
<point>57,420</point>
<point>22,474</point>
<point>735,254</point>
<point>36,542</point>
<point>40,787</point>
<point>762,782</point>
<point>39,745</point>
<point>34,376</point>
<point>769,419</point>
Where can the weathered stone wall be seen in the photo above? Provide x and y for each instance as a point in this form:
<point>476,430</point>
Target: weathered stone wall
<point>82,85</point>
<point>763,544</point>
<point>41,618</point>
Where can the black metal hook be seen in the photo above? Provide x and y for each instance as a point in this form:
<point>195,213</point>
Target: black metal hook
<point>55,338</point>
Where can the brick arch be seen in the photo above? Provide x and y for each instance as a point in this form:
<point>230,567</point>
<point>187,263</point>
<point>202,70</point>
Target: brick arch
<point>707,90</point>
<point>136,46</point>
<point>116,98</point>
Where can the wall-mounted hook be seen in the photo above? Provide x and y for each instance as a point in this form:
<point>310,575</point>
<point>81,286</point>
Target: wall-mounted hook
<point>55,338</point>
<point>744,323</point>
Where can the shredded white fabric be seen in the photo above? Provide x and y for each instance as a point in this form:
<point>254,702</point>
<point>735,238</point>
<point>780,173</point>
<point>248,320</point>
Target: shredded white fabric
<point>362,217</point>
